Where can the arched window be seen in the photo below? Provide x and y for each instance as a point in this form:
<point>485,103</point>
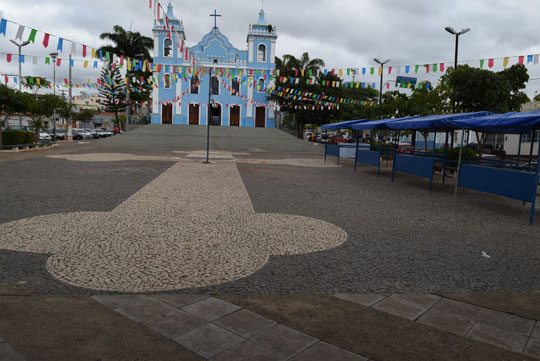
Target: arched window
<point>261,54</point>
<point>194,85</point>
<point>236,87</point>
<point>167,48</point>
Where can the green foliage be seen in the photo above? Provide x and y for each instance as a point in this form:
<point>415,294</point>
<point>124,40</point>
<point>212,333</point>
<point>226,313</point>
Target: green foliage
<point>84,115</point>
<point>305,114</point>
<point>112,88</point>
<point>17,137</point>
<point>476,89</point>
<point>453,154</point>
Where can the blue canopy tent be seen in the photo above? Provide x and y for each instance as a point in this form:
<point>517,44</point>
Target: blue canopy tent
<point>421,165</point>
<point>516,183</point>
<point>371,157</point>
<point>334,150</point>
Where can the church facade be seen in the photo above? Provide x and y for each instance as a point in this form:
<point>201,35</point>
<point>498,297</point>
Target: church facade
<point>231,91</point>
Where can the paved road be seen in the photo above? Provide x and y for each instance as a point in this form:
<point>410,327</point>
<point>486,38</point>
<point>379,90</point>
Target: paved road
<point>398,237</point>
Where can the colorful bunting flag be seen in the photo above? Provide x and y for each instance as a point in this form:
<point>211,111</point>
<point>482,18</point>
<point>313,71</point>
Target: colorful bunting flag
<point>491,62</point>
<point>482,64</point>
<point>521,60</point>
<point>9,58</point>
<point>32,36</point>
<point>60,44</point>
<point>46,40</point>
<point>84,51</point>
<point>505,61</point>
<point>3,26</point>
<point>20,32</point>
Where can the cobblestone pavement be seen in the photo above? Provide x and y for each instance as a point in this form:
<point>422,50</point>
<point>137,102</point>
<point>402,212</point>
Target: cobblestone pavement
<point>175,233</point>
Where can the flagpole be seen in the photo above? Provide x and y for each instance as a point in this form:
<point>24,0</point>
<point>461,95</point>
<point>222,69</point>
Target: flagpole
<point>208,117</point>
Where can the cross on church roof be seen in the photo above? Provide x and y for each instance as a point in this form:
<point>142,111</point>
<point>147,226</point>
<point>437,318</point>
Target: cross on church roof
<point>215,15</point>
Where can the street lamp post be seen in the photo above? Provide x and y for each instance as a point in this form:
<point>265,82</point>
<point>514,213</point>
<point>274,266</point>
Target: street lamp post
<point>457,34</point>
<point>381,63</point>
<point>20,46</point>
<point>54,56</point>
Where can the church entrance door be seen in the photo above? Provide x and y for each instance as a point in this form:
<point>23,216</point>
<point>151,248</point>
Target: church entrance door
<point>235,116</point>
<point>260,117</point>
<point>194,114</point>
<point>166,114</point>
<point>215,115</point>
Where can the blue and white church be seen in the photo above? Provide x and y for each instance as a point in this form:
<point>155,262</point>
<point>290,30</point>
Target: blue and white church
<point>238,96</point>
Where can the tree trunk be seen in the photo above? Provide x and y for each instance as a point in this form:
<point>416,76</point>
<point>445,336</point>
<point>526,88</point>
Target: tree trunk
<point>425,134</point>
<point>481,141</point>
<point>300,129</point>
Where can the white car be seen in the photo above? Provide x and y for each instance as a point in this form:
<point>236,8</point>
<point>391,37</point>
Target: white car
<point>44,137</point>
<point>85,134</point>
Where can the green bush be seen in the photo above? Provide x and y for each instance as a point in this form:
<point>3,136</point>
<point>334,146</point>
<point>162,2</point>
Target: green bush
<point>385,147</point>
<point>17,137</point>
<point>453,154</point>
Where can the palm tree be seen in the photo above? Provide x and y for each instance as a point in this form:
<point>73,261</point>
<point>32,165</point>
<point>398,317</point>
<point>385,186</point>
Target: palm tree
<point>291,63</point>
<point>129,44</point>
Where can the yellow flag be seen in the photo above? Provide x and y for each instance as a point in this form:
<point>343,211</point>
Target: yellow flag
<point>380,70</point>
<point>38,81</point>
<point>505,62</point>
<point>409,86</point>
<point>302,72</point>
<point>174,77</point>
<point>333,84</point>
<point>340,72</point>
<point>144,65</point>
<point>93,53</point>
<point>85,64</point>
<point>128,64</point>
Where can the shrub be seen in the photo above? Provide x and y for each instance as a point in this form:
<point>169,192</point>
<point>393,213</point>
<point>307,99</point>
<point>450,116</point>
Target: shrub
<point>16,137</point>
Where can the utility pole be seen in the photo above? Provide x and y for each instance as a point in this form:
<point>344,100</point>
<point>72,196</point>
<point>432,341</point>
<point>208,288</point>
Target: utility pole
<point>54,56</point>
<point>70,130</point>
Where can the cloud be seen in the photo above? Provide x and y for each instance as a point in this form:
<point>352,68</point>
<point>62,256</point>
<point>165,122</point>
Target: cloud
<point>344,33</point>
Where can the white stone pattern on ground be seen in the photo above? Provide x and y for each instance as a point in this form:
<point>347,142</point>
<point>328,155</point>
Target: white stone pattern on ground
<point>193,226</point>
<point>110,157</point>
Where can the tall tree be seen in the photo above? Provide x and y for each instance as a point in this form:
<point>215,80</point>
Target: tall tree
<point>43,108</point>
<point>135,46</point>
<point>112,90</point>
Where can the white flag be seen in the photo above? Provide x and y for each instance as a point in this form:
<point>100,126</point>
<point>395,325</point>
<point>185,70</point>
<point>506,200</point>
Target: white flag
<point>35,61</point>
<point>73,48</point>
<point>20,33</point>
<point>536,59</point>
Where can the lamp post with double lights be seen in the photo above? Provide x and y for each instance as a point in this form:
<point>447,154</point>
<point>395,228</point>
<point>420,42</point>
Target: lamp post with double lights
<point>20,46</point>
<point>54,56</point>
<point>381,63</point>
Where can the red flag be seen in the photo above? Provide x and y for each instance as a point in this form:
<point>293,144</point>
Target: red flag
<point>158,6</point>
<point>122,60</point>
<point>389,71</point>
<point>58,62</point>
<point>46,40</point>
<point>167,21</point>
<point>387,85</point>
<point>186,56</point>
<point>6,79</point>
<point>182,47</point>
<point>66,81</point>
<point>84,51</point>
<point>9,58</point>
<point>521,60</point>
<point>491,62</point>
<point>442,67</point>
<point>427,68</point>
<point>150,5</point>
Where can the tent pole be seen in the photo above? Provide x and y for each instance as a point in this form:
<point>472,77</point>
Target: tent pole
<point>396,145</point>
<point>338,138</point>
<point>433,158</point>
<point>380,151</point>
<point>535,188</point>
<point>459,163</point>
<point>356,152</point>
<point>325,144</point>
<point>519,149</point>
<point>531,152</point>
<point>445,158</point>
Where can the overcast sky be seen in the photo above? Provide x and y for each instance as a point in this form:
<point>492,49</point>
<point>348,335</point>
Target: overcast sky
<point>344,33</point>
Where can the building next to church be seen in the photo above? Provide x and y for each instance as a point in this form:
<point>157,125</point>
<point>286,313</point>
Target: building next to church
<point>238,83</point>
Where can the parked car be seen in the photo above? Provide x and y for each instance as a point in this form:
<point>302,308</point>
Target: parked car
<point>334,139</point>
<point>405,148</point>
<point>108,132</point>
<point>101,133</point>
<point>44,137</point>
<point>61,134</point>
<point>77,134</point>
<point>94,134</point>
<point>308,135</point>
<point>85,133</point>
<point>323,138</point>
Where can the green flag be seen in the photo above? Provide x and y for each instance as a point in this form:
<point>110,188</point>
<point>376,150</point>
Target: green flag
<point>435,67</point>
<point>481,63</point>
<point>416,68</point>
<point>47,61</point>
<point>108,56</point>
<point>32,36</point>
